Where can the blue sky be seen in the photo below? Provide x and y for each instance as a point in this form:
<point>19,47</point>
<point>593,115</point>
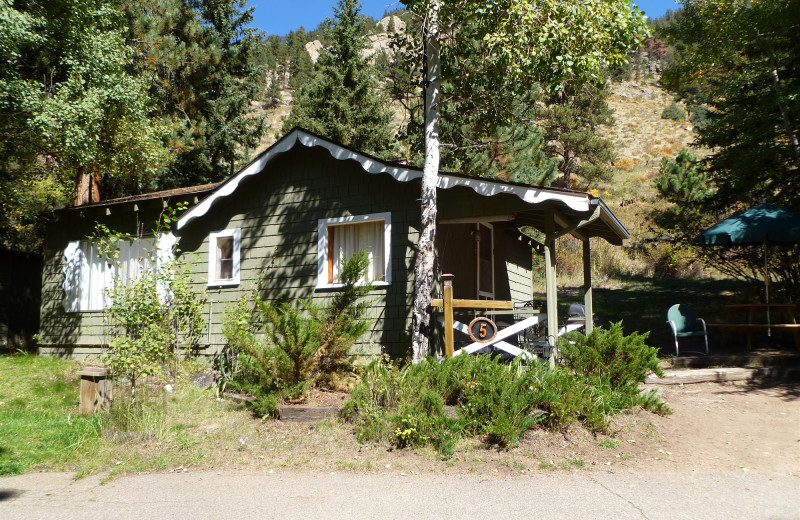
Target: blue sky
<point>281,16</point>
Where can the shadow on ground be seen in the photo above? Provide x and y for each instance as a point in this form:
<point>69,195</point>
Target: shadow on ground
<point>641,303</point>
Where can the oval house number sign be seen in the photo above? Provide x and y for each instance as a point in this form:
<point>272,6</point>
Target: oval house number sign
<point>482,330</point>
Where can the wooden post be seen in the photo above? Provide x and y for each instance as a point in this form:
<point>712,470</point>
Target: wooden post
<point>95,389</point>
<point>447,297</point>
<point>587,286</point>
<point>550,281</point>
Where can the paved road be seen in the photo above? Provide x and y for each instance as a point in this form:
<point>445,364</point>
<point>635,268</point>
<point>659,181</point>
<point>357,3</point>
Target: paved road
<point>197,495</point>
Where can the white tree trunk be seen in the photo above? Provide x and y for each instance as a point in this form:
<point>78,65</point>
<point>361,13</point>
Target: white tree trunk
<point>423,270</point>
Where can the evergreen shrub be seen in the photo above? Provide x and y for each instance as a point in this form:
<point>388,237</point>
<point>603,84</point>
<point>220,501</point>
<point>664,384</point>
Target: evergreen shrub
<point>437,403</point>
<point>699,117</point>
<point>674,112</point>
<point>285,347</point>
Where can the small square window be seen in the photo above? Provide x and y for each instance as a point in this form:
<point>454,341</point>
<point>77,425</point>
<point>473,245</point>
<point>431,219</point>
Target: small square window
<point>223,257</point>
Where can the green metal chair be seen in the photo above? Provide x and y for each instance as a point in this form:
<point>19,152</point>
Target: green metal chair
<point>684,324</point>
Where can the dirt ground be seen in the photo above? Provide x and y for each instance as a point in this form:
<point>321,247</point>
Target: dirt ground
<point>714,428</point>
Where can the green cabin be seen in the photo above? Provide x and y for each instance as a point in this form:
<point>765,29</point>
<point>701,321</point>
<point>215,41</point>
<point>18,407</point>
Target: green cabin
<point>283,224</point>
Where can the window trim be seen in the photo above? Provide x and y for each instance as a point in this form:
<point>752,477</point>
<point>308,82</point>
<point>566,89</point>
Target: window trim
<point>213,281</point>
<point>322,246</point>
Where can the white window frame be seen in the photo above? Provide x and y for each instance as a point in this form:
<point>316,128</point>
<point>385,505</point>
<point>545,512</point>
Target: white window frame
<point>322,246</point>
<point>236,233</point>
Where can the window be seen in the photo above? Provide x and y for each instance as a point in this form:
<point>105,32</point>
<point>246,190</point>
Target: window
<point>223,257</point>
<point>88,274</point>
<point>341,238</point>
<point>485,245</point>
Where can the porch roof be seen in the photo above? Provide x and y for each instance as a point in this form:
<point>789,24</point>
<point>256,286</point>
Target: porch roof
<point>577,213</point>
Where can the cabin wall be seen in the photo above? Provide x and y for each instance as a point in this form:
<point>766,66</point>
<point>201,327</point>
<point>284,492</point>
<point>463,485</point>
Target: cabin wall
<point>82,334</point>
<point>278,213</point>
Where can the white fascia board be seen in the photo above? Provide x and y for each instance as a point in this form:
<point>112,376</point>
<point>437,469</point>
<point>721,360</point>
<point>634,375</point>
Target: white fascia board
<point>531,195</point>
<point>611,219</point>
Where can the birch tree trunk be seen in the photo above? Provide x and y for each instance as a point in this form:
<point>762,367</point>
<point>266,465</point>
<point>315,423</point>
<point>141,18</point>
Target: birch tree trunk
<point>423,269</point>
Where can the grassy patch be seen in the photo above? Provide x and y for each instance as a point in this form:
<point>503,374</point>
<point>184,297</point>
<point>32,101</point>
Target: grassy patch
<point>38,415</point>
<point>609,443</point>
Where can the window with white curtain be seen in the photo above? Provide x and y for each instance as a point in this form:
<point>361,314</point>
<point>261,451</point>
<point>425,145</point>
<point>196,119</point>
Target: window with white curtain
<point>88,275</point>
<point>341,238</point>
<point>224,257</point>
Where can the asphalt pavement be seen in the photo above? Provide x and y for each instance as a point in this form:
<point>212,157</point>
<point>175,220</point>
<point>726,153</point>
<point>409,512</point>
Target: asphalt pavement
<point>241,496</point>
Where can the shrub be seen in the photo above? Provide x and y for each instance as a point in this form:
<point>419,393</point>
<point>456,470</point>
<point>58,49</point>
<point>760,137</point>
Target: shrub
<point>699,117</point>
<point>151,316</point>
<point>288,346</point>
<point>674,112</point>
<point>607,354</point>
<point>436,403</point>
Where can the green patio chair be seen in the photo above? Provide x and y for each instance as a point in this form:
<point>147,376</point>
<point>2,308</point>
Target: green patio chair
<point>684,324</point>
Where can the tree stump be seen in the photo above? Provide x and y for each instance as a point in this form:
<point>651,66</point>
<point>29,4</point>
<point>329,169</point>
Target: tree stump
<point>95,389</point>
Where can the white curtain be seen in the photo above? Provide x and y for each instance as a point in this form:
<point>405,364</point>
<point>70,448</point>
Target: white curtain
<point>75,268</point>
<point>87,273</point>
<point>351,238</point>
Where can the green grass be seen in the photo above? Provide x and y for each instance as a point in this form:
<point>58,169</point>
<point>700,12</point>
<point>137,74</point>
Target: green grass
<point>609,443</point>
<point>38,415</point>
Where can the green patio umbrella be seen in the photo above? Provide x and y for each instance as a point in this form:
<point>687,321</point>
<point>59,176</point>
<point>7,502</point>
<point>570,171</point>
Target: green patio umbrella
<point>763,224</point>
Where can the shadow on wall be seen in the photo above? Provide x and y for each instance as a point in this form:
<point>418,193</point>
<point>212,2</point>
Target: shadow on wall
<point>21,290</point>
<point>279,212</point>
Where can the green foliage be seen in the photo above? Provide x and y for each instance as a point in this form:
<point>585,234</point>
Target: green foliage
<point>497,402</point>
<point>151,316</point>
<point>685,184</point>
<point>138,95</point>
<point>343,101</point>
<point>700,116</point>
<point>623,362</point>
<point>741,57</point>
<point>571,123</point>
<point>71,105</point>
<point>306,342</point>
<point>674,112</point>
<point>202,56</point>
<point>40,425</point>
<point>495,57</point>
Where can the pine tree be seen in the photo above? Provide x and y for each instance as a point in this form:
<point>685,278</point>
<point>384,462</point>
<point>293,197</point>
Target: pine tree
<point>570,124</point>
<point>229,86</point>
<point>343,101</point>
<point>206,68</point>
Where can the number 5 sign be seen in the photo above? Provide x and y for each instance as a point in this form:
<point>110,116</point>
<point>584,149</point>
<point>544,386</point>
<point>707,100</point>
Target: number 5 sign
<point>482,330</point>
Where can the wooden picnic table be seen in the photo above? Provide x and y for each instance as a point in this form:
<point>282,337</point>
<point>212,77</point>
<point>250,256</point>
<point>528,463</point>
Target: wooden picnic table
<point>782,316</point>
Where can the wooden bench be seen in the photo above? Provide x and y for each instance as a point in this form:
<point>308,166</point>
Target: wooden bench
<point>749,328</point>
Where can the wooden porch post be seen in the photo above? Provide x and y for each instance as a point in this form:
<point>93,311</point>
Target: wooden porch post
<point>447,297</point>
<point>587,286</point>
<point>550,282</point>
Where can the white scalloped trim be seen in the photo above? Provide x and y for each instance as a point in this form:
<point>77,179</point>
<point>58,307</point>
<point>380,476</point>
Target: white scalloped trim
<point>576,201</point>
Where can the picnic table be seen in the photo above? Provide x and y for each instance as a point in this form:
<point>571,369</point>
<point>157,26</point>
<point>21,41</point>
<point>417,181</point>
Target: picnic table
<point>746,317</point>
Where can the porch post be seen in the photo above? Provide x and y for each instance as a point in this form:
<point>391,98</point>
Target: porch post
<point>447,303</point>
<point>550,281</point>
<point>587,286</point>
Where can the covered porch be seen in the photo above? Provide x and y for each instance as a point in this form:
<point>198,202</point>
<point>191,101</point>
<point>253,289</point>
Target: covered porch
<point>481,221</point>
